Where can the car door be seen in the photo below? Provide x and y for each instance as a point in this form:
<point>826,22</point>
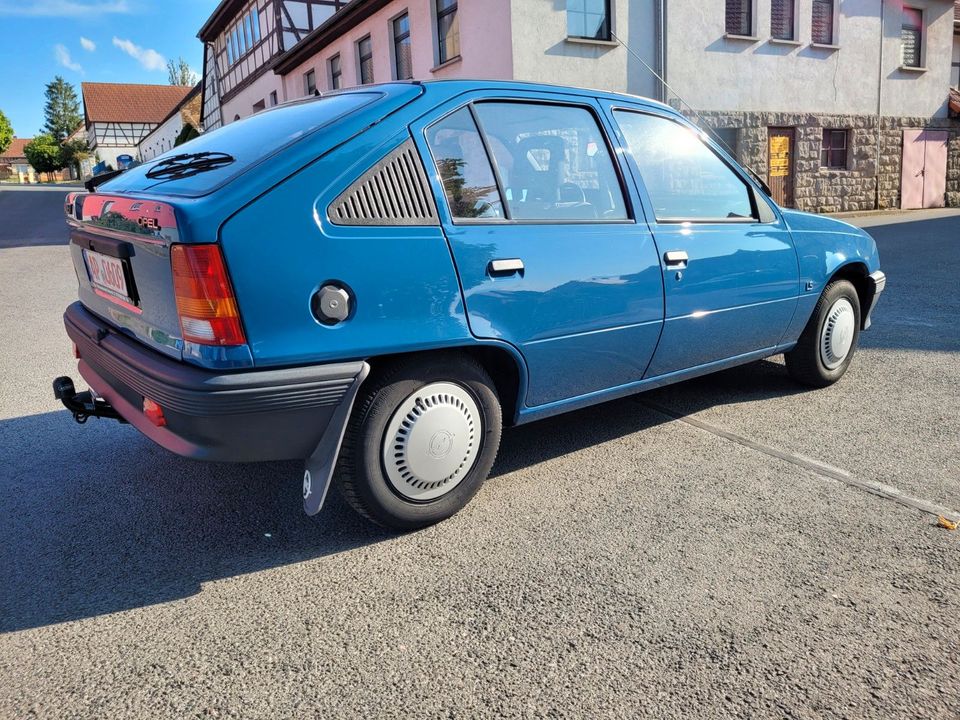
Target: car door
<point>542,231</point>
<point>730,270</point>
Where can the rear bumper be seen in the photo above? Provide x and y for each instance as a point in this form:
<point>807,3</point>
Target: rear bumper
<point>237,416</point>
<point>878,282</point>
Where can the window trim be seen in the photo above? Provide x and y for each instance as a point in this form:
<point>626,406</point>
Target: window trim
<point>307,92</point>
<point>361,57</point>
<point>438,14</point>
<point>334,77</point>
<point>608,36</point>
<point>753,191</point>
<point>396,40</point>
<point>628,206</point>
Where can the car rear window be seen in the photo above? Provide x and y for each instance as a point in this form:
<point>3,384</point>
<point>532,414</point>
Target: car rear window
<point>216,157</point>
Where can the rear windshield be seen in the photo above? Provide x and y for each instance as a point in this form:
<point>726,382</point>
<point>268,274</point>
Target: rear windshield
<point>217,157</point>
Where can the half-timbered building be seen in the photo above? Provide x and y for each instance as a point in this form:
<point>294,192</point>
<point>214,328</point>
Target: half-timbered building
<point>242,39</point>
<point>118,116</point>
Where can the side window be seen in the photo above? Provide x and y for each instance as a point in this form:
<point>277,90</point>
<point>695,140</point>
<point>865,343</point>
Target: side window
<point>464,167</point>
<point>553,162</point>
<point>685,179</point>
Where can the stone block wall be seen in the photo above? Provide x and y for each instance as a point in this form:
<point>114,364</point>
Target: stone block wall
<point>818,189</point>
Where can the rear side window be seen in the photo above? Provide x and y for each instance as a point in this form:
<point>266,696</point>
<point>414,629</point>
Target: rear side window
<point>553,162</point>
<point>685,179</point>
<point>464,167</point>
<point>239,146</point>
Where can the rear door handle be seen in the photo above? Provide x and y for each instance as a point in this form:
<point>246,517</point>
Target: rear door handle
<point>504,267</point>
<point>674,258</point>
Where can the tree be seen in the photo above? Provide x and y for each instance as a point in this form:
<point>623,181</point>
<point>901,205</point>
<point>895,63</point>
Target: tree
<point>6,132</point>
<point>179,72</point>
<point>73,151</point>
<point>62,111</point>
<point>44,153</point>
<point>188,133</point>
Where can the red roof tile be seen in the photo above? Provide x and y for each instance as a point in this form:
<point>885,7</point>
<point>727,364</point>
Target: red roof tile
<point>16,149</point>
<point>126,102</point>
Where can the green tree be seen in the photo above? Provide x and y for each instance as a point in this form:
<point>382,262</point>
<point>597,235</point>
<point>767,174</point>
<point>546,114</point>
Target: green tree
<point>73,151</point>
<point>188,133</point>
<point>62,111</point>
<point>179,72</point>
<point>6,132</point>
<point>44,153</point>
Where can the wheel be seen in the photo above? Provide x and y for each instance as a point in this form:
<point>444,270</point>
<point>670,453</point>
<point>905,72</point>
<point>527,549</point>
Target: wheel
<point>420,442</point>
<point>826,347</point>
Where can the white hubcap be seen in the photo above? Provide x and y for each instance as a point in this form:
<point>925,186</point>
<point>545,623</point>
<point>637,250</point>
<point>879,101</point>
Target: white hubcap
<point>837,333</point>
<point>432,441</point>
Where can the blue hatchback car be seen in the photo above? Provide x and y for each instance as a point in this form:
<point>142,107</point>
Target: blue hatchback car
<point>380,279</point>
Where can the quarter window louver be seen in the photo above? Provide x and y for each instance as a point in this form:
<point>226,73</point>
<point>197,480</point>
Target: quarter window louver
<point>822,29</point>
<point>781,19</point>
<point>911,35</point>
<point>739,17</point>
<point>392,192</point>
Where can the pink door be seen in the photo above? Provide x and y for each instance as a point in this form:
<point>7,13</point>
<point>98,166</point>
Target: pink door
<point>911,170</point>
<point>923,175</point>
<point>934,168</point>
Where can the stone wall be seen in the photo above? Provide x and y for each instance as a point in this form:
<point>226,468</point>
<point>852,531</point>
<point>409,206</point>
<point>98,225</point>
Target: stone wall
<point>819,189</point>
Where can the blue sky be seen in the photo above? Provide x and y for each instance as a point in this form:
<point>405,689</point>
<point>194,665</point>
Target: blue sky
<point>90,40</point>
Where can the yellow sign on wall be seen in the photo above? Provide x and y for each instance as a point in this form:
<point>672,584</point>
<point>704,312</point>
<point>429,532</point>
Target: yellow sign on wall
<point>779,156</point>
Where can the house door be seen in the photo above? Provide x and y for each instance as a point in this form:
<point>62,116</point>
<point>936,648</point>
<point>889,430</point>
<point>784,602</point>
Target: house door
<point>923,173</point>
<point>780,174</point>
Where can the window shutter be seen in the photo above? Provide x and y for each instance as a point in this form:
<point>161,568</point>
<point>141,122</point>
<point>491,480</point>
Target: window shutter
<point>822,30</point>
<point>781,19</point>
<point>738,17</point>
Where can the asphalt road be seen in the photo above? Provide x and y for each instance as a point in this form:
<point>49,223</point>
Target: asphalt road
<point>620,562</point>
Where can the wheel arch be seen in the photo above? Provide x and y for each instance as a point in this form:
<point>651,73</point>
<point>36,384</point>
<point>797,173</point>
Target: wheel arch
<point>503,363</point>
<point>857,273</point>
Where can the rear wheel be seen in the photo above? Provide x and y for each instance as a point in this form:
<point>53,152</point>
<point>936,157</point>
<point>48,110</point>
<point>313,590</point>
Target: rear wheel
<point>828,343</point>
<point>421,441</point>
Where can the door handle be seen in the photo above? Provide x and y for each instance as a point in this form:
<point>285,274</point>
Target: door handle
<point>675,258</point>
<point>505,267</point>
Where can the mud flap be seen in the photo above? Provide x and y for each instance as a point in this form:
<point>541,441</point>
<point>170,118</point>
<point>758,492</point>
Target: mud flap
<point>318,472</point>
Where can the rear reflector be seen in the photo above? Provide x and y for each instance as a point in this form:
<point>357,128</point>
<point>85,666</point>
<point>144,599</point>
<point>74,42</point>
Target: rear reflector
<point>205,300</point>
<point>154,412</point>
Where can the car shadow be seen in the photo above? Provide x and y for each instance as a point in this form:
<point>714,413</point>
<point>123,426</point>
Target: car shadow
<point>100,520</point>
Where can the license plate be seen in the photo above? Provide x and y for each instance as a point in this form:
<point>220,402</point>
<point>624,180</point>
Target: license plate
<point>107,273</point>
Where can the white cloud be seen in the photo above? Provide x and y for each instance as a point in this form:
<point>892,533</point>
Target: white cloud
<point>63,57</point>
<point>150,59</point>
<point>88,45</point>
<point>63,8</point>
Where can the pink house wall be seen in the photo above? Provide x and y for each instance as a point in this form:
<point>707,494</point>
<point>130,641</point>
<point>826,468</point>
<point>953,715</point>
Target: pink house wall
<point>485,47</point>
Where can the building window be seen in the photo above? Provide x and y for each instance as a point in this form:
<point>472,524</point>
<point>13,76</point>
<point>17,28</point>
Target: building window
<point>255,19</point>
<point>448,30</point>
<point>273,98</point>
<point>821,31</point>
<point>310,83</point>
<point>833,152</point>
<point>782,19</point>
<point>911,36</point>
<point>740,17</point>
<point>588,19</point>
<point>401,47</point>
<point>365,56</point>
<point>335,72</point>
<point>259,105</point>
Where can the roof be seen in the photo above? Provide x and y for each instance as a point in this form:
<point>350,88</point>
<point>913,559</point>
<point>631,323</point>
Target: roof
<point>16,149</point>
<point>127,102</point>
<point>953,102</point>
<point>222,15</point>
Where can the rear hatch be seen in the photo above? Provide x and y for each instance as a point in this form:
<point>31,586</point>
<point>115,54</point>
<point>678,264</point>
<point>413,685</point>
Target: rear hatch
<point>121,235</point>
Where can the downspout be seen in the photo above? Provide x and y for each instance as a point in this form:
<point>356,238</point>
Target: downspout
<point>876,192</point>
<point>662,48</point>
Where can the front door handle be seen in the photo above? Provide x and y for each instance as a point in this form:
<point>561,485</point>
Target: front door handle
<point>675,258</point>
<point>505,267</point>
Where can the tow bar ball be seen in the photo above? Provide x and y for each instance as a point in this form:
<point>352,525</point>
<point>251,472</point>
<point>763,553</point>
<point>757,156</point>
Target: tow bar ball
<point>82,405</point>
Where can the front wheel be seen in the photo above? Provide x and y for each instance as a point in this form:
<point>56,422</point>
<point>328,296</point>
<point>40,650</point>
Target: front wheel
<point>826,347</point>
<point>421,441</point>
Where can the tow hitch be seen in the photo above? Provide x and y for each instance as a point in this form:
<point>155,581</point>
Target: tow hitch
<point>83,405</point>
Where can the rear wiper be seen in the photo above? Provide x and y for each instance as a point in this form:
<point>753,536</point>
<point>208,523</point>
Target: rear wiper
<point>188,164</point>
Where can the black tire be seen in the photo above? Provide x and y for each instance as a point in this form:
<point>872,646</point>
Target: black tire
<point>363,478</point>
<point>805,362</point>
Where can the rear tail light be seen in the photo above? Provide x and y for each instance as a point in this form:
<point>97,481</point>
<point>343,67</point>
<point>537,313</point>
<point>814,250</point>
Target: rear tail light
<point>205,300</point>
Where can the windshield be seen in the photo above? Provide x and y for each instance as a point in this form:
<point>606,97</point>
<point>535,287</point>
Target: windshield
<point>214,158</point>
